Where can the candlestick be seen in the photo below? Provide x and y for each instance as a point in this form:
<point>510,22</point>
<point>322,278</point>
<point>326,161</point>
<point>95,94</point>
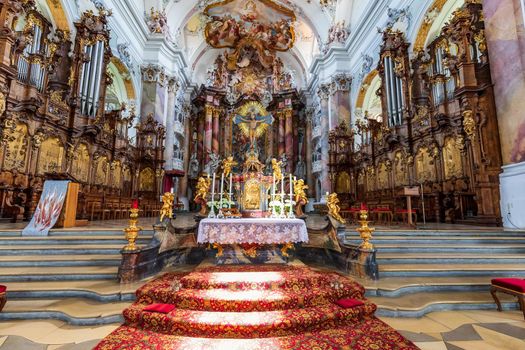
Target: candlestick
<point>212,209</point>
<point>291,215</point>
<point>220,215</point>
<point>282,186</point>
<point>230,201</point>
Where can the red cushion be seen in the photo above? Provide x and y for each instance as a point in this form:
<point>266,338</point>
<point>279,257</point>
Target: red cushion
<point>515,284</point>
<point>348,303</point>
<point>3,289</point>
<point>162,308</point>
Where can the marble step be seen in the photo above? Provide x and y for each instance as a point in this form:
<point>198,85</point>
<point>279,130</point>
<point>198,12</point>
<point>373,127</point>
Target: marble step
<point>71,273</point>
<point>60,260</point>
<point>77,232</point>
<point>78,312</point>
<point>419,304</point>
<point>460,258</point>
<point>68,240</point>
<point>451,248</point>
<point>435,233</point>
<point>450,270</point>
<point>488,240</point>
<point>111,249</point>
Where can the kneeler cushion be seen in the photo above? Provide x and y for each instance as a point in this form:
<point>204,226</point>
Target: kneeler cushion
<point>515,284</point>
<point>162,308</point>
<point>2,288</point>
<point>348,303</point>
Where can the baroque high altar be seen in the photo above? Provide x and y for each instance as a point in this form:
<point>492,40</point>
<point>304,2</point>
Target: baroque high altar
<point>249,108</point>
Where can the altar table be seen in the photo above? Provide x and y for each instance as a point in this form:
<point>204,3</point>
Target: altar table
<point>252,231</point>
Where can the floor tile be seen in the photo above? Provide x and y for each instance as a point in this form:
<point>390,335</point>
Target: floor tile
<point>499,339</point>
<point>438,345</point>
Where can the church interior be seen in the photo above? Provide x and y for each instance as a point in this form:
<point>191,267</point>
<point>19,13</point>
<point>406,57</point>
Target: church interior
<point>262,174</point>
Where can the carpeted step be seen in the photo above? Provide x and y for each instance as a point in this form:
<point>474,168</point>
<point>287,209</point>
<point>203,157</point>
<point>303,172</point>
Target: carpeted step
<point>369,333</point>
<point>252,300</point>
<point>273,278</point>
<point>246,324</point>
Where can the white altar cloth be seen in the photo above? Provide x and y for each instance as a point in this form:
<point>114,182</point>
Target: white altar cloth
<point>258,231</point>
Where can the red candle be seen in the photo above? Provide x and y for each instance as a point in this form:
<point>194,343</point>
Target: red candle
<point>135,204</point>
<point>363,206</point>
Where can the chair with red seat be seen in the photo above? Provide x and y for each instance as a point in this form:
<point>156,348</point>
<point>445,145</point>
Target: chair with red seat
<point>3,296</point>
<point>512,286</point>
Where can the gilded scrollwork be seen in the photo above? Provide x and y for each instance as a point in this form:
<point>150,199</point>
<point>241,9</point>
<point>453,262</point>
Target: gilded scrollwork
<point>147,180</point>
<point>16,148</point>
<point>51,156</point>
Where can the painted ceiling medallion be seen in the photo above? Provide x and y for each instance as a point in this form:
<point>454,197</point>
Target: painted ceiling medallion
<point>260,24</point>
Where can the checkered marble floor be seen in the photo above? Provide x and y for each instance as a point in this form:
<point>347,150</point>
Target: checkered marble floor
<point>451,330</point>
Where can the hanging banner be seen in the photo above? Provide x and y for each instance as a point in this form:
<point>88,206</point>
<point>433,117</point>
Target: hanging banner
<point>48,210</point>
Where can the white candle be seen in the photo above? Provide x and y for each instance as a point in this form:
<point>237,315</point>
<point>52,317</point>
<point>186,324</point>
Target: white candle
<point>291,188</point>
<point>282,187</point>
<point>171,190</point>
<point>222,189</point>
<point>230,201</point>
<point>273,187</point>
<point>213,188</point>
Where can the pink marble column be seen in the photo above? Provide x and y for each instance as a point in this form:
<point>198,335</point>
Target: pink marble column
<point>208,132</point>
<point>215,131</point>
<point>505,33</point>
<point>289,146</point>
<point>282,144</point>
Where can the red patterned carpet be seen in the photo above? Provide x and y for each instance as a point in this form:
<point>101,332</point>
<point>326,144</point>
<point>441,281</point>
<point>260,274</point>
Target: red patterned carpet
<point>253,307</point>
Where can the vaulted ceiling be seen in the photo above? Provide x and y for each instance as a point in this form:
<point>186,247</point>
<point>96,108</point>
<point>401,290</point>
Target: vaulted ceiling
<point>186,21</point>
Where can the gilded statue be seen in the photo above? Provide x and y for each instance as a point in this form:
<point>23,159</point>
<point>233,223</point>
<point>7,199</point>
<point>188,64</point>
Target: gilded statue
<point>277,172</point>
<point>203,186</point>
<point>300,196</point>
<point>333,208</point>
<point>167,206</point>
<point>227,165</point>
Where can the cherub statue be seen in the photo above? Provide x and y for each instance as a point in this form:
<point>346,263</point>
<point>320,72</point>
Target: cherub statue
<point>277,171</point>
<point>227,165</point>
<point>333,208</point>
<point>300,196</point>
<point>203,186</point>
<point>167,206</point>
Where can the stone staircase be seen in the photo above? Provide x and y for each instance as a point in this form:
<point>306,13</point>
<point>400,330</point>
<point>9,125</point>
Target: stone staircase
<point>422,270</point>
<point>68,275</point>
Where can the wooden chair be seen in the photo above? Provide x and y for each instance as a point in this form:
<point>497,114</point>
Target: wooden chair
<point>108,207</point>
<point>512,286</point>
<point>95,210</point>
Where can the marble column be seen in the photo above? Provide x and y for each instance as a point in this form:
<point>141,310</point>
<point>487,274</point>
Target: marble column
<point>309,146</point>
<point>154,92</point>
<point>183,184</point>
<point>282,143</point>
<point>324,95</point>
<point>227,135</point>
<point>208,132</point>
<point>505,34</point>
<point>215,131</point>
<point>200,138</point>
<point>340,101</point>
<point>289,133</point>
<point>170,119</point>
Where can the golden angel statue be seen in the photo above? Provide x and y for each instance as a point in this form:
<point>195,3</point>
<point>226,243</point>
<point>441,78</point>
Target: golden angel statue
<point>253,120</point>
<point>167,206</point>
<point>203,186</point>
<point>300,196</point>
<point>277,171</point>
<point>227,165</point>
<point>333,208</point>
